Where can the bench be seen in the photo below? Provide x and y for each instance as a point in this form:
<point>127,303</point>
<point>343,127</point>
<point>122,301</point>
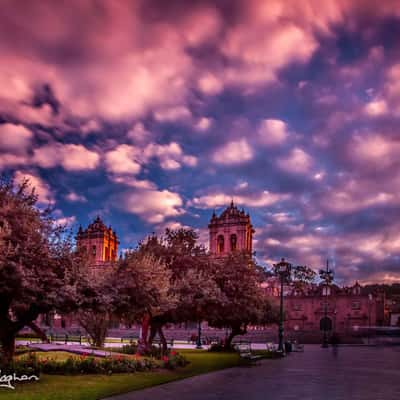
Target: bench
<point>244,350</point>
<point>66,338</point>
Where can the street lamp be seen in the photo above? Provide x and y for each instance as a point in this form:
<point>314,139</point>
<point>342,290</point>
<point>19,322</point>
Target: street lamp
<point>327,277</point>
<point>198,344</point>
<point>369,315</point>
<point>283,270</point>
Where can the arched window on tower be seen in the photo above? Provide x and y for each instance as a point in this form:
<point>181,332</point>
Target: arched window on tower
<point>220,244</point>
<point>233,242</point>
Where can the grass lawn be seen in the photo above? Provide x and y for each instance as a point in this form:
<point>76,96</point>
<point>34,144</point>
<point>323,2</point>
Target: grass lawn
<point>90,387</point>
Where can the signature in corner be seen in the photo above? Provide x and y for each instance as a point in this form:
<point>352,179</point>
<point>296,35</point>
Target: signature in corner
<point>8,381</point>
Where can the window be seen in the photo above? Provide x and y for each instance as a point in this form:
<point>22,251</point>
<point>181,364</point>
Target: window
<point>355,305</point>
<point>94,250</point>
<point>326,291</point>
<point>220,244</point>
<point>233,242</point>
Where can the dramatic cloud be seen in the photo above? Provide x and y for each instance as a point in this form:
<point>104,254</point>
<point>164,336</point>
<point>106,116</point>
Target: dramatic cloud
<point>236,152</point>
<point>153,206</point>
<point>121,160</point>
<point>72,157</point>
<point>272,132</point>
<point>14,138</point>
<point>297,162</point>
<point>262,199</point>
<point>153,113</point>
<point>42,189</point>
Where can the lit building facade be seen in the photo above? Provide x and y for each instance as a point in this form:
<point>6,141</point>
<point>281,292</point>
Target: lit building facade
<point>99,242</point>
<point>231,231</point>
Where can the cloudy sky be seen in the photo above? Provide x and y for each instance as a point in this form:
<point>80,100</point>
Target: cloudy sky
<point>153,113</point>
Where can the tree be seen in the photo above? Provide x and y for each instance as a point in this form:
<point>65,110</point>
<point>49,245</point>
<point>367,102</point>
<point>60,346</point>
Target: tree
<point>242,300</point>
<point>38,268</point>
<point>97,306</point>
<point>143,289</point>
<point>191,286</point>
<point>303,275</point>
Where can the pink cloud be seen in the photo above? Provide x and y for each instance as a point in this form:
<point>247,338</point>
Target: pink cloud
<point>219,199</point>
<point>154,206</point>
<point>123,160</point>
<point>15,138</point>
<point>235,152</point>
<point>297,162</point>
<point>272,132</point>
<point>42,189</point>
<point>72,157</point>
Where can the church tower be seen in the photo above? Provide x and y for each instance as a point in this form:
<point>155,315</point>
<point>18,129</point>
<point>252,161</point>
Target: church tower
<point>99,242</point>
<point>231,231</point>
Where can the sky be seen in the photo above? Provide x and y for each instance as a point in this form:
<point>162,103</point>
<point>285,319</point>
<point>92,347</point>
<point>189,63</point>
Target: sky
<point>152,114</point>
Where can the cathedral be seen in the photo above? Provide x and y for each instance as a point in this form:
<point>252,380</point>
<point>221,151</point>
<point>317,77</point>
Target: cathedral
<point>231,231</point>
<point>99,242</point>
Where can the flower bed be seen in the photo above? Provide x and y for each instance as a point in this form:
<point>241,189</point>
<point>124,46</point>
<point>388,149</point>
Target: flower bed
<point>87,364</point>
<point>174,360</point>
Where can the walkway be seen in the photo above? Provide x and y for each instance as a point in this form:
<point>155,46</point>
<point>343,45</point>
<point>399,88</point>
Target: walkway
<point>356,373</point>
<point>70,348</point>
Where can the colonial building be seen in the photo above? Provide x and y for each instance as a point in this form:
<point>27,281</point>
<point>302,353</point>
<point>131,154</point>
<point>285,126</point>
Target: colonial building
<point>346,310</point>
<point>231,231</point>
<point>99,242</point>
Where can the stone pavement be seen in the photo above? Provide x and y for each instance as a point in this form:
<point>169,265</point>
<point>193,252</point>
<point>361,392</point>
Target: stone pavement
<point>354,373</point>
<point>70,348</point>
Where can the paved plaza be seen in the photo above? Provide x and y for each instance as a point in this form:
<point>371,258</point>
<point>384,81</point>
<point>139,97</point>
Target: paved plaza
<point>354,373</point>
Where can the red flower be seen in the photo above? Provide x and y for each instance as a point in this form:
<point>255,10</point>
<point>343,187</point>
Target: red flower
<point>165,359</point>
<point>173,353</point>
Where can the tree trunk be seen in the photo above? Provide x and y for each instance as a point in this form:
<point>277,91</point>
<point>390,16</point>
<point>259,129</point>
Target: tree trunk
<point>143,344</point>
<point>163,340</point>
<point>236,330</point>
<point>8,347</point>
<point>38,331</point>
<point>153,332</point>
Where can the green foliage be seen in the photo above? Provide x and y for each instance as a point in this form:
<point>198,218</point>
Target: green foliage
<point>83,365</point>
<point>174,360</point>
<point>220,347</point>
<point>94,386</point>
<point>27,365</point>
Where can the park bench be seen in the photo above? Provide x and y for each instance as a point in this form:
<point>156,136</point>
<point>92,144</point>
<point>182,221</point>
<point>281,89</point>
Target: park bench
<point>244,350</point>
<point>75,338</point>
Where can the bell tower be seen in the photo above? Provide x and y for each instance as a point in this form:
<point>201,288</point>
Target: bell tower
<point>231,231</point>
<point>99,242</point>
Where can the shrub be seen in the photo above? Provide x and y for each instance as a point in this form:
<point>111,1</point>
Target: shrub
<point>174,360</point>
<point>127,349</point>
<point>219,347</point>
<point>28,365</point>
<point>92,365</point>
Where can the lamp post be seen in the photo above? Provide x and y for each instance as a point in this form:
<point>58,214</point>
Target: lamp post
<point>369,315</point>
<point>283,270</point>
<point>198,344</point>
<point>327,276</point>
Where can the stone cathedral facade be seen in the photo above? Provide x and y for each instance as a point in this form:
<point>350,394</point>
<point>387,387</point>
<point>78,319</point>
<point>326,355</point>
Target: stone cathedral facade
<point>231,231</point>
